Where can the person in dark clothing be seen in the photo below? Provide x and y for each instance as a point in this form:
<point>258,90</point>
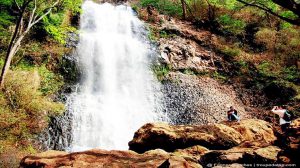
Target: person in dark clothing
<point>232,114</point>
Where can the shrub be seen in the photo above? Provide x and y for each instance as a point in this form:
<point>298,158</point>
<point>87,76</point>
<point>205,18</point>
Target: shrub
<point>266,37</point>
<point>161,71</point>
<point>164,6</point>
<point>50,82</point>
<point>23,109</point>
<point>230,51</point>
<point>219,76</point>
<point>231,25</point>
<point>21,89</point>
<point>290,73</point>
<point>267,69</point>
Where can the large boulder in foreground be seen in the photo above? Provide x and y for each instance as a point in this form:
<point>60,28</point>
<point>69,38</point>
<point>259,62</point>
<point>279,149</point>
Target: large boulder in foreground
<point>254,130</point>
<point>211,136</point>
<point>102,158</point>
<point>169,137</point>
<point>242,154</point>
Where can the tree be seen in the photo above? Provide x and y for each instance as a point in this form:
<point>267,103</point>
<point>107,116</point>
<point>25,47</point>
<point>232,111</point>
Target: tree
<point>30,12</point>
<point>291,5</point>
<point>183,5</point>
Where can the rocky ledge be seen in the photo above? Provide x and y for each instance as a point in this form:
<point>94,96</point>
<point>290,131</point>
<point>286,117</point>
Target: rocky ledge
<point>187,146</point>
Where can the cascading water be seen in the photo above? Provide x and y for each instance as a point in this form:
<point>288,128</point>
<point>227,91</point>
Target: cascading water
<point>118,92</point>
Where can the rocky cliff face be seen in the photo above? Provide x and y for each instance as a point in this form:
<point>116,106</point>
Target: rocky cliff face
<point>225,144</point>
<point>192,100</point>
<point>191,95</point>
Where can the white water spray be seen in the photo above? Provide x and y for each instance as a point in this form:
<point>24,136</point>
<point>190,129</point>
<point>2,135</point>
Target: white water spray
<point>118,92</point>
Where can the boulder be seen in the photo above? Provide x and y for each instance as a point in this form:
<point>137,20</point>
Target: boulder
<point>193,152</point>
<point>254,130</point>
<point>102,158</point>
<point>170,138</point>
<point>185,54</point>
<point>242,155</point>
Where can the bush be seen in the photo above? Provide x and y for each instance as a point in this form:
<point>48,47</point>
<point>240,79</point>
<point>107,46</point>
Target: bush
<point>50,82</point>
<point>21,89</point>
<point>230,51</point>
<point>267,69</point>
<point>231,25</point>
<point>23,109</point>
<point>161,71</point>
<point>291,74</point>
<point>219,76</point>
<point>164,6</point>
<point>266,37</point>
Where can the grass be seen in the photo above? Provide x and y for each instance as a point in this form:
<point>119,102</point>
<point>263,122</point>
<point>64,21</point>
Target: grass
<point>161,71</point>
<point>24,111</point>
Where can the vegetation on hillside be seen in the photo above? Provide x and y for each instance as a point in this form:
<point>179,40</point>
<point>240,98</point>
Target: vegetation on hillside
<point>260,39</point>
<point>27,96</point>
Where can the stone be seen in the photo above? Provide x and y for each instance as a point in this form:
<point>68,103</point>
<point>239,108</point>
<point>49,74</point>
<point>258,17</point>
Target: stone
<point>194,152</point>
<point>185,54</point>
<point>102,158</point>
<point>254,130</point>
<point>169,137</point>
<point>242,155</point>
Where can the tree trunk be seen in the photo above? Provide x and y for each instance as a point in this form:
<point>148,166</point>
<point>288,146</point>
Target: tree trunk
<point>183,5</point>
<point>9,57</point>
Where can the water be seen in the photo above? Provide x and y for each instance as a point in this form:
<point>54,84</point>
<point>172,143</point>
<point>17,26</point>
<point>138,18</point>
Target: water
<point>118,92</point>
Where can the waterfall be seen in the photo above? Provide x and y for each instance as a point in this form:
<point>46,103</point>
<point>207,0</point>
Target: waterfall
<point>118,92</point>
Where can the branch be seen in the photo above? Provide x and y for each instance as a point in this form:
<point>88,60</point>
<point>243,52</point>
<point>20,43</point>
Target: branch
<point>31,16</point>
<point>45,14</point>
<point>36,19</point>
<point>294,22</point>
<point>17,5</point>
<point>290,5</point>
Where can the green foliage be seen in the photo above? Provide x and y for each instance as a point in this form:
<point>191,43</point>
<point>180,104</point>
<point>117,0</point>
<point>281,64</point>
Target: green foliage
<point>72,5</point>
<point>219,76</point>
<point>164,6</point>
<point>152,34</point>
<point>50,82</point>
<point>164,34</point>
<point>228,4</point>
<point>161,71</point>
<point>53,26</point>
<point>230,51</point>
<point>290,73</point>
<point>6,20</point>
<point>23,108</point>
<point>266,37</point>
<point>265,69</point>
<point>231,25</point>
<point>189,72</point>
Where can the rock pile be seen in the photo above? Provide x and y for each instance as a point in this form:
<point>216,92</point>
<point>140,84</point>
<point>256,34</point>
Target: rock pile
<point>190,99</point>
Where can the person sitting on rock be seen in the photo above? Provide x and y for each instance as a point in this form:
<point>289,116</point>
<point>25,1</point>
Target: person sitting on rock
<point>284,117</point>
<point>232,114</point>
